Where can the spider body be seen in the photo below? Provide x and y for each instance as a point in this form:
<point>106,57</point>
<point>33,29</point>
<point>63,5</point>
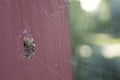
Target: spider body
<point>29,47</point>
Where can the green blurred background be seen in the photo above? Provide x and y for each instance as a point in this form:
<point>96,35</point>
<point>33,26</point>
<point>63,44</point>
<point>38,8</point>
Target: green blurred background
<point>95,35</point>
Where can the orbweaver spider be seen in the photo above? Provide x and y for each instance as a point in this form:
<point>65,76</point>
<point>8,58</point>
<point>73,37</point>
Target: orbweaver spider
<point>29,47</point>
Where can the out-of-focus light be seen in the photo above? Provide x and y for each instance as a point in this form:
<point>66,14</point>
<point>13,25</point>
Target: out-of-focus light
<point>89,5</point>
<point>111,51</point>
<point>85,51</point>
<point>104,12</point>
<point>101,39</point>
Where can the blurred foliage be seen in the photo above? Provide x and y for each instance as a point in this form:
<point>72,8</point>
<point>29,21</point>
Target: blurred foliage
<point>95,29</point>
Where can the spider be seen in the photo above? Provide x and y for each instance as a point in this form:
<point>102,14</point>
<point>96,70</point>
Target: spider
<point>29,47</point>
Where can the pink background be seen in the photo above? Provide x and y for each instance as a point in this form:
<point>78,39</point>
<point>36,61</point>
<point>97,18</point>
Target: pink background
<point>47,22</point>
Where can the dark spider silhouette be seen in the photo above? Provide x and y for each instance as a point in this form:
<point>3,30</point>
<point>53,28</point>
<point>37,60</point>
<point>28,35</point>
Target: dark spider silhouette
<point>29,47</point>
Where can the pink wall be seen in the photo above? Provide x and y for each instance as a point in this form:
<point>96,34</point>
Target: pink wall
<point>47,22</point>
